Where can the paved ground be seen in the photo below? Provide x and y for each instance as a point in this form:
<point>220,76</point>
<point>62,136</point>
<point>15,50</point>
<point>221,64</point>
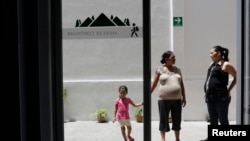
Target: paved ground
<point>93,131</point>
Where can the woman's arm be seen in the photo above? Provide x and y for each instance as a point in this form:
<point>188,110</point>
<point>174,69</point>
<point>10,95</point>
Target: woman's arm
<point>183,92</point>
<point>184,102</point>
<point>229,68</point>
<point>154,82</point>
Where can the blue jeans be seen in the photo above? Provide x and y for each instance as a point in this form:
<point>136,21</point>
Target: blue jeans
<point>217,106</point>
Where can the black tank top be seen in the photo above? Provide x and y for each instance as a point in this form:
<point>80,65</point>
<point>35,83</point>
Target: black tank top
<point>217,80</point>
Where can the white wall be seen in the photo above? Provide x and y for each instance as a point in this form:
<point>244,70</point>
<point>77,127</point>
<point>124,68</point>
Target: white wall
<point>93,69</point>
<point>207,23</point>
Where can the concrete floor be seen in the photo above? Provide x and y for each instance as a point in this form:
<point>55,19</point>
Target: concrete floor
<point>93,131</point>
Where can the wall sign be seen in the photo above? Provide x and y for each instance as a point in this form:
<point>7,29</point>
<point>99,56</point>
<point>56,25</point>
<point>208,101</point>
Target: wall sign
<point>177,21</point>
<point>103,27</point>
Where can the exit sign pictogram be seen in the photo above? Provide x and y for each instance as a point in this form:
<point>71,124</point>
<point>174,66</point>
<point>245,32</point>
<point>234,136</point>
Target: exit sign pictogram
<point>177,21</point>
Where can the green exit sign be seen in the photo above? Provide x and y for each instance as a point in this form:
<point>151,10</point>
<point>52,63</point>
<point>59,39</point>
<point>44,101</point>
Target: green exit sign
<point>177,21</point>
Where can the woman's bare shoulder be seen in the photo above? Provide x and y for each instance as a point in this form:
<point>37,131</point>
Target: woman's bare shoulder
<point>228,66</point>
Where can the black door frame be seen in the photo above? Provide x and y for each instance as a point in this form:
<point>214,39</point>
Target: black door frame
<point>40,70</point>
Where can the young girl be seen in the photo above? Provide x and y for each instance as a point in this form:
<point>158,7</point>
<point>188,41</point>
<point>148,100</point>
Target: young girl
<point>121,113</point>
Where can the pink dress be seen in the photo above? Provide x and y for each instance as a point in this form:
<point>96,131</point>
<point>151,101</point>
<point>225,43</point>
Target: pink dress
<point>123,108</point>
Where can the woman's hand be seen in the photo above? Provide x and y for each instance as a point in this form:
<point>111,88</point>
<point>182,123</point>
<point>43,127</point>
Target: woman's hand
<point>184,102</point>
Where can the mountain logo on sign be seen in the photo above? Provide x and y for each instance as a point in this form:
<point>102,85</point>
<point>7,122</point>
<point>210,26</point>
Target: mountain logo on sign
<point>102,20</point>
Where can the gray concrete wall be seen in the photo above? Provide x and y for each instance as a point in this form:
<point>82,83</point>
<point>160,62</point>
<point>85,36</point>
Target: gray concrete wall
<point>93,69</point>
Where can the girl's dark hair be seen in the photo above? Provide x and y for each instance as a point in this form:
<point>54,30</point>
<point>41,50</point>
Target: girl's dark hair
<point>224,52</point>
<point>123,87</point>
<point>165,56</point>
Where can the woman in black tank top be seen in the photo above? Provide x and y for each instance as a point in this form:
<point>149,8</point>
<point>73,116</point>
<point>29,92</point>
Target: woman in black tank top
<point>217,91</point>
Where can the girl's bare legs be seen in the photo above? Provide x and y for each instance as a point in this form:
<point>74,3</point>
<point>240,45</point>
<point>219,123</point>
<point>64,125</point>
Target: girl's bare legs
<point>162,136</point>
<point>123,130</point>
<point>177,135</point>
<point>129,132</point>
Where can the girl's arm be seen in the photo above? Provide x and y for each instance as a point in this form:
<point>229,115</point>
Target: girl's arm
<point>115,111</point>
<point>136,104</point>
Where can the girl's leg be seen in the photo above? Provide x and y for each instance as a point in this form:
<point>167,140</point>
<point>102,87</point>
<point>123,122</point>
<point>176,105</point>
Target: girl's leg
<point>123,130</point>
<point>129,129</point>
